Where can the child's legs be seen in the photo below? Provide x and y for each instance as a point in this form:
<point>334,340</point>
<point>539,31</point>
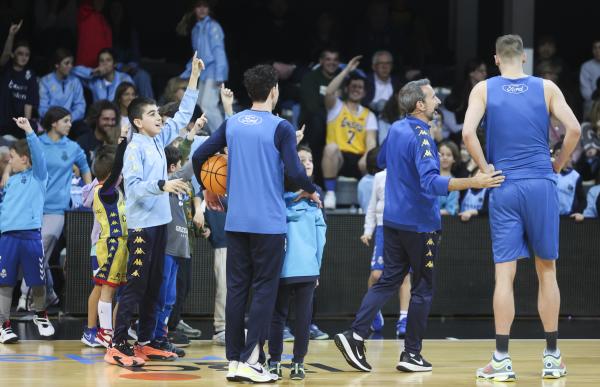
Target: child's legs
<point>32,263</point>
<point>220,288</point>
<point>9,264</point>
<point>184,279</point>
<point>166,299</point>
<point>304,305</point>
<point>278,322</point>
<point>93,299</point>
<point>107,294</point>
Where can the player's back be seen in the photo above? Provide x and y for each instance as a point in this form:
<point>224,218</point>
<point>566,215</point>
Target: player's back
<point>517,123</point>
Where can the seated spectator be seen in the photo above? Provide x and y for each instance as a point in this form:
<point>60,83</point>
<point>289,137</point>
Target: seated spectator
<point>571,195</point>
<point>102,129</point>
<point>60,88</point>
<point>365,184</point>
<point>174,90</point>
<point>546,54</point>
<point>125,93</point>
<point>588,75</point>
<point>590,130</point>
<point>351,131</point>
<point>381,85</point>
<point>93,33</point>
<point>474,202</point>
<point>18,85</point>
<point>390,114</point>
<point>593,200</point>
<point>589,162</point>
<point>456,103</point>
<point>104,79</point>
<point>449,155</point>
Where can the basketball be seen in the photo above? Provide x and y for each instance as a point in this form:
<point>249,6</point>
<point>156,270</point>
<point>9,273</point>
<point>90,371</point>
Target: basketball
<point>213,174</point>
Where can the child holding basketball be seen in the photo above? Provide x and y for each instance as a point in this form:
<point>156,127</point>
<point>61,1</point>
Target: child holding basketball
<point>305,241</point>
<point>20,223</point>
<point>148,213</point>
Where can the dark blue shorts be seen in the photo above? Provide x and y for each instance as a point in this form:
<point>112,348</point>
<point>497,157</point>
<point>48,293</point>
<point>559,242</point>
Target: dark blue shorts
<point>524,212</point>
<point>22,248</point>
<point>377,258</point>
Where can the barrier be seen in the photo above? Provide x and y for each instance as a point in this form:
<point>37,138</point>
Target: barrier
<point>464,270</point>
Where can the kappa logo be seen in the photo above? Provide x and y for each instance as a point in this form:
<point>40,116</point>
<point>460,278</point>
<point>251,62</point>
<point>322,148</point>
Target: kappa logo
<point>137,262</point>
<point>425,142</point>
<point>139,251</point>
<point>429,254</point>
<point>423,133</point>
<point>135,274</point>
<point>427,153</point>
<point>430,242</point>
<point>250,119</point>
<point>3,273</point>
<point>112,248</point>
<point>101,275</point>
<point>112,240</point>
<point>112,215</point>
<point>518,88</point>
<point>114,222</point>
<point>429,265</point>
<point>139,240</point>
<point>116,230</point>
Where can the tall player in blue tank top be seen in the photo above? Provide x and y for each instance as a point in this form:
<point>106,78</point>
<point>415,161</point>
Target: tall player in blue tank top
<point>260,145</point>
<point>524,210</point>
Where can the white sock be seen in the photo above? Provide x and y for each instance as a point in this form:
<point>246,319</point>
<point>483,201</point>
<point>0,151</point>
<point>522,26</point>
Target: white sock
<point>403,314</point>
<point>105,314</point>
<point>500,355</point>
<point>253,356</point>
<point>355,336</point>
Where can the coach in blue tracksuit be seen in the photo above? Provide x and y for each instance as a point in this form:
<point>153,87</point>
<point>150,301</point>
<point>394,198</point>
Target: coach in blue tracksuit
<point>260,145</point>
<point>411,226</point>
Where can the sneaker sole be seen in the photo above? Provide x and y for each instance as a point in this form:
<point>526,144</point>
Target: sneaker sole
<point>342,344</point>
<point>553,374</point>
<point>297,377</point>
<point>322,337</point>
<point>97,345</point>
<point>500,377</point>
<point>232,378</point>
<point>247,379</point>
<point>13,340</point>
<point>115,360</point>
<point>161,358</point>
<point>410,367</point>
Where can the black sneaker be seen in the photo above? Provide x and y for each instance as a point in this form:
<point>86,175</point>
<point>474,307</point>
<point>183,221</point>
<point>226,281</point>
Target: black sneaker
<point>353,350</point>
<point>410,362</point>
<point>178,339</point>
<point>274,367</point>
<point>166,345</point>
<point>297,372</point>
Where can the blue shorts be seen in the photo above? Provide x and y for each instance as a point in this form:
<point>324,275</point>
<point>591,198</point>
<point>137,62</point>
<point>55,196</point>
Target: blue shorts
<point>524,212</point>
<point>22,248</point>
<point>377,258</point>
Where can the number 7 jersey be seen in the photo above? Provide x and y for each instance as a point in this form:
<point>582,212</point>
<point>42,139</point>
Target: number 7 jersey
<point>349,129</point>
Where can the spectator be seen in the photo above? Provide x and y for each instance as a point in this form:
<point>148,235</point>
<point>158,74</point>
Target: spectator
<point>93,33</point>
<point>208,40</point>
<point>101,122</point>
<point>571,195</point>
<point>60,88</point>
<point>312,107</point>
<point>365,185</point>
<point>455,105</point>
<point>593,199</point>
<point>126,92</point>
<point>174,90</point>
<point>104,79</point>
<point>326,33</point>
<point>589,74</point>
<point>546,55</point>
<point>381,85</point>
<point>18,86</point>
<point>449,155</point>
<point>590,130</point>
<point>351,131</point>
<point>474,202</point>
<point>390,114</point>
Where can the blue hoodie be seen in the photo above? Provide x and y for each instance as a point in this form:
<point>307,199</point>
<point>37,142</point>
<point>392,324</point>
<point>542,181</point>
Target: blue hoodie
<point>23,203</point>
<point>145,165</point>
<point>60,157</point>
<point>208,40</point>
<point>99,87</point>
<point>305,240</point>
<point>67,93</point>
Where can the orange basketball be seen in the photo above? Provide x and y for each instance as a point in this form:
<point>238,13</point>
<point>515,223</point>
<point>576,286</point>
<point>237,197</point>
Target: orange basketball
<point>214,174</point>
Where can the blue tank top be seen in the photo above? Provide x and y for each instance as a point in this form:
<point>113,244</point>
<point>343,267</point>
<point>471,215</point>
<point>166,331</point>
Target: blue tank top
<point>517,122</point>
<point>566,185</point>
<point>473,200</point>
<point>254,175</point>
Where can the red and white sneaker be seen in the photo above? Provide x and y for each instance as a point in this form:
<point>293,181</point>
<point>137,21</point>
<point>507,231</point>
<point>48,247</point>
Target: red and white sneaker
<point>104,337</point>
<point>152,351</point>
<point>122,354</point>
<point>7,336</point>
<point>44,326</point>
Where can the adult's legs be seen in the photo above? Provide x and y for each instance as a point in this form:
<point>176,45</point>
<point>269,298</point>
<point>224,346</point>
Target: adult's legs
<point>332,161</point>
<point>209,103</point>
<point>504,303</point>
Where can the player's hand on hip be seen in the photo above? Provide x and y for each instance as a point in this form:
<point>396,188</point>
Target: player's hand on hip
<point>177,186</point>
<point>213,201</point>
<point>312,196</point>
<point>365,239</point>
<point>556,166</point>
<point>490,168</point>
<point>577,217</point>
<point>488,180</point>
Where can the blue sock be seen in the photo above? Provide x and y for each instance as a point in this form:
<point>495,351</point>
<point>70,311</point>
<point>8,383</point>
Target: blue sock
<point>330,184</point>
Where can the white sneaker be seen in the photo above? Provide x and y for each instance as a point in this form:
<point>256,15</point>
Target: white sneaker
<point>329,200</point>
<point>232,370</point>
<point>219,338</point>
<point>43,324</point>
<point>255,373</point>
<point>7,336</point>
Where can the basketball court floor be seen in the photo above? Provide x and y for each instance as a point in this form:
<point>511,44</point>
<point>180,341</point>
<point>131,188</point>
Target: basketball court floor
<point>455,357</point>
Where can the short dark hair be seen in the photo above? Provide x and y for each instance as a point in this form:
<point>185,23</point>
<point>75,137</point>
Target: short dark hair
<point>305,148</point>
<point>54,114</point>
<point>173,155</point>
<point>168,109</point>
<point>372,167</point>
<point>60,54</point>
<point>103,161</point>
<point>21,148</point>
<point>97,108</point>
<point>136,109</point>
<point>354,76</point>
<point>331,49</point>
<point>21,43</point>
<point>121,89</point>
<point>106,50</point>
<point>259,80</point>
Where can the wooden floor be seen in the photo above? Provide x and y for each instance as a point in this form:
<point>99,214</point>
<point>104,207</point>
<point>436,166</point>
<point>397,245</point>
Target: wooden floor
<point>69,363</point>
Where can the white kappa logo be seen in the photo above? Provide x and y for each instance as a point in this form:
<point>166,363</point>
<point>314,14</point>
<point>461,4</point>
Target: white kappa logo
<point>3,273</point>
<point>250,119</point>
<point>519,88</point>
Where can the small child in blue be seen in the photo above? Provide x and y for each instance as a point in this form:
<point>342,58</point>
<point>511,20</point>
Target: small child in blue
<point>20,223</point>
<point>305,242</point>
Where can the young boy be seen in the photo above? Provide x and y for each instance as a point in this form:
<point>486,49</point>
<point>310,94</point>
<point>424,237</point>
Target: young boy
<point>148,213</point>
<point>305,241</point>
<point>571,195</point>
<point>20,222</point>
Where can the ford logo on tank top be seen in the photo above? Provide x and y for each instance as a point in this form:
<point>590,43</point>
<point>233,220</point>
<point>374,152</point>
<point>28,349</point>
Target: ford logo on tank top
<point>518,88</point>
<point>250,119</point>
